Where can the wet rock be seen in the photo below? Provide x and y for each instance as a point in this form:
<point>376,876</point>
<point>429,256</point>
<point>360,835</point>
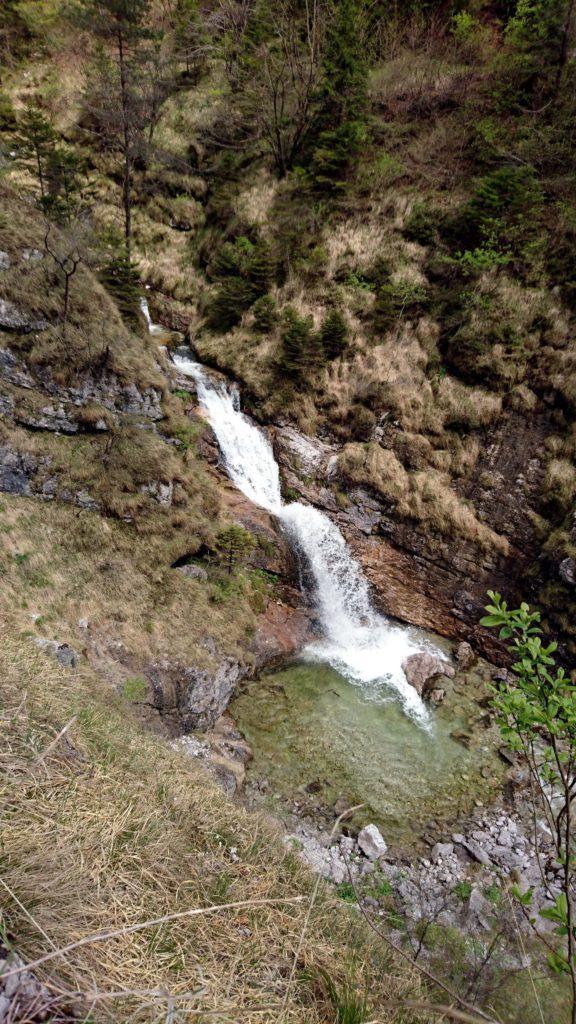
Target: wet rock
<point>16,321</point>
<point>436,696</point>
<point>465,656</point>
<point>371,842</point>
<point>64,654</point>
<point>422,669</point>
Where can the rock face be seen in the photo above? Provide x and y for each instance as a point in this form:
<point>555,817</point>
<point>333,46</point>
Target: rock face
<point>16,321</point>
<point>422,671</point>
<point>430,579</point>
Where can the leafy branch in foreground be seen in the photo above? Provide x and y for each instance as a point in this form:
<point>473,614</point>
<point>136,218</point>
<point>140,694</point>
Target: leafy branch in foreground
<point>536,709</point>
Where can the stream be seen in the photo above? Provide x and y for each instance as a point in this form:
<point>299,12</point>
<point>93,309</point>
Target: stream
<point>342,721</point>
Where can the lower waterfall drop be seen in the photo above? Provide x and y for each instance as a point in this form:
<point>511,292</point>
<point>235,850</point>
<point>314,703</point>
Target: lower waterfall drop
<point>358,642</point>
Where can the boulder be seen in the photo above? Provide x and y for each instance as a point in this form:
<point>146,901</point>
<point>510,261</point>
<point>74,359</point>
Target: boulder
<point>4,260</point>
<point>193,572</point>
<point>423,669</point>
<point>371,842</point>
<point>440,851</point>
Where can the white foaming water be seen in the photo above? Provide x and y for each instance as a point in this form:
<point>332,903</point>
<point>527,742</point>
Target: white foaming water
<point>361,644</point>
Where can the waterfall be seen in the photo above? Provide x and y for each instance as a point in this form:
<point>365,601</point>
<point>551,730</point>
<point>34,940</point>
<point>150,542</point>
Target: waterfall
<point>358,642</point>
<point>152,327</point>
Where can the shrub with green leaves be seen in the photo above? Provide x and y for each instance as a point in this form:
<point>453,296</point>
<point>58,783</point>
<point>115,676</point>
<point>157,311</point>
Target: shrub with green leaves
<point>501,218</point>
<point>536,712</point>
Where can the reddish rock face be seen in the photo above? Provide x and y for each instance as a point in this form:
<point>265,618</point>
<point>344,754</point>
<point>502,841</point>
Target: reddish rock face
<point>282,631</point>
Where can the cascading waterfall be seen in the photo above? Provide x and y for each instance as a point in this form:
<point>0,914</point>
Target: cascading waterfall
<point>358,642</point>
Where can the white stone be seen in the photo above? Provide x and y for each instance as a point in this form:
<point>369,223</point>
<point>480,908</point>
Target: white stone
<point>371,842</point>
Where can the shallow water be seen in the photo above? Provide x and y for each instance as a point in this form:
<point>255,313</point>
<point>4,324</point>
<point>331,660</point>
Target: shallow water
<point>310,727</point>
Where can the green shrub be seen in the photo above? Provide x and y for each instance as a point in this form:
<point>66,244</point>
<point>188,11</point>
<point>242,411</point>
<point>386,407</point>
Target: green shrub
<point>395,301</point>
<point>7,113</point>
<point>233,298</point>
<point>265,313</point>
<point>299,345</point>
<point>422,225</point>
<point>120,277</point>
<point>463,890</point>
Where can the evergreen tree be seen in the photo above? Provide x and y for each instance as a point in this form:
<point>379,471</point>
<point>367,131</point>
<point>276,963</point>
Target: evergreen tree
<point>120,277</point>
<point>65,174</point>
<point>334,334</point>
<point>116,94</point>
<point>298,345</point>
<point>542,31</point>
<point>343,96</point>
<point>35,141</point>
<point>234,544</point>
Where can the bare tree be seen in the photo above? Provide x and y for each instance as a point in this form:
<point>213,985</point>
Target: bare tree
<point>67,258</point>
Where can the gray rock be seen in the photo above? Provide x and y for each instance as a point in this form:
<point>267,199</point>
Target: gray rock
<point>567,571</point>
<point>194,572</point>
<point>83,500</point>
<point>371,842</point>
<point>474,849</point>
<point>4,260</point>
<point>50,417</point>
<point>437,695</point>
<point>161,492</point>
<point>16,321</point>
<point>16,471</point>
<point>12,370</point>
<point>32,255</point>
<point>440,851</point>
<point>64,654</point>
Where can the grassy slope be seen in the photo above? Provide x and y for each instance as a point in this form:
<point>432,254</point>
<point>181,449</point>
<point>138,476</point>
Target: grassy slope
<point>108,827</point>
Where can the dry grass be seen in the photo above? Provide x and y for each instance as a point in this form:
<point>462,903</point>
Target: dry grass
<point>425,496</point>
<point>64,565</point>
<point>108,827</point>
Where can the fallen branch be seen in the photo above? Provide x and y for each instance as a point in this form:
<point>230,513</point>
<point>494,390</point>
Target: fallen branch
<point>88,940</point>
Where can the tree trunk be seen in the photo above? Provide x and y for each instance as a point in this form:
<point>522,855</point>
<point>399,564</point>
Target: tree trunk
<point>126,188</point>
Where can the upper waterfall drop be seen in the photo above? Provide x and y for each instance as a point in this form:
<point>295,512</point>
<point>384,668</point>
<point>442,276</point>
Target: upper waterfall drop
<point>361,644</point>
